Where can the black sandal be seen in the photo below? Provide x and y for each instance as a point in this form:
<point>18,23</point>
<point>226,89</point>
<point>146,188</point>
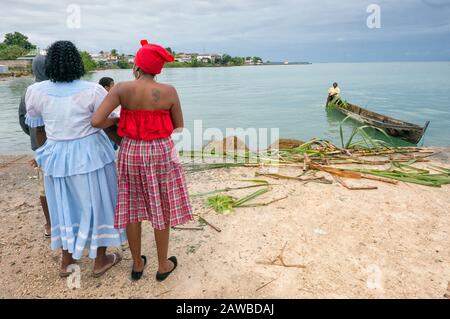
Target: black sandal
<point>162,276</point>
<point>136,275</point>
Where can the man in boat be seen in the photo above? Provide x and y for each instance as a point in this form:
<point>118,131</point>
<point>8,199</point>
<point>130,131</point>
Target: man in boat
<point>333,92</point>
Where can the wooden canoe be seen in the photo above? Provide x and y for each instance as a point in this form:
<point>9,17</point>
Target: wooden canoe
<point>407,131</point>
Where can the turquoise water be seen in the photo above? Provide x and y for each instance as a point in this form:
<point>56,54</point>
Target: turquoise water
<point>290,98</point>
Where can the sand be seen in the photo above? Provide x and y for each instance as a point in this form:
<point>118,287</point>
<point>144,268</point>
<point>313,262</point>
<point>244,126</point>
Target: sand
<point>392,242</point>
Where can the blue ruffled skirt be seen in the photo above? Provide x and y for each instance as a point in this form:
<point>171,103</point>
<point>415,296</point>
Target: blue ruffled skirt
<point>81,189</point>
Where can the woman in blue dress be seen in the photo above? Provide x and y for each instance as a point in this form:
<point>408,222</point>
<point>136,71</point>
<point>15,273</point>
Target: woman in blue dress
<point>77,160</point>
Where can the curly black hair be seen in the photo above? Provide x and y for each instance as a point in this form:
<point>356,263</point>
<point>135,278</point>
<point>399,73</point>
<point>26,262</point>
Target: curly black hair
<point>63,62</point>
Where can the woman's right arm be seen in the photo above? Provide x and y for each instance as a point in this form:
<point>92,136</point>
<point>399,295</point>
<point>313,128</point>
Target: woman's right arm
<point>101,118</point>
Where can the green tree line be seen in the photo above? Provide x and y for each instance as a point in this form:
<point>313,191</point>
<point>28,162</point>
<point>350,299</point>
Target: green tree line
<point>15,45</point>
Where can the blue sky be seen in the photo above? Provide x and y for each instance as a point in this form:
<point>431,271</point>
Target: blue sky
<point>294,30</point>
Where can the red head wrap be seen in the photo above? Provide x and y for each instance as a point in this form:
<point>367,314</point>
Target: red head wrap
<point>151,57</point>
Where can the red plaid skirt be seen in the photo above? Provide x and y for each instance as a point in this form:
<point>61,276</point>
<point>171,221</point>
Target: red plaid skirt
<point>152,185</point>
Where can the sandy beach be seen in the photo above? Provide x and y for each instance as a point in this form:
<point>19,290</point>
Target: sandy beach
<point>392,242</point>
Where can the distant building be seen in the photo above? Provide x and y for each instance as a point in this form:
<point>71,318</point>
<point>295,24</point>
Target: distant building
<point>105,58</point>
<point>248,61</point>
<point>19,63</point>
<point>26,58</point>
<point>203,57</point>
<point>185,57</point>
<point>95,55</point>
<point>253,61</point>
<point>3,69</point>
<point>130,58</point>
<point>209,57</point>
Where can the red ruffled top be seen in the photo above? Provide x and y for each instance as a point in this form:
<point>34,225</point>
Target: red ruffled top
<point>145,124</point>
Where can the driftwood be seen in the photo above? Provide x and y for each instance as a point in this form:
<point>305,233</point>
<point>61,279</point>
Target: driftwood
<point>187,228</point>
<point>340,181</point>
<point>350,174</point>
<point>279,261</point>
<point>203,220</point>
<point>163,293</point>
<point>266,284</point>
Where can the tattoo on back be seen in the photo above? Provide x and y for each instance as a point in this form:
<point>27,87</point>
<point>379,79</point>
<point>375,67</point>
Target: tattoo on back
<point>156,94</point>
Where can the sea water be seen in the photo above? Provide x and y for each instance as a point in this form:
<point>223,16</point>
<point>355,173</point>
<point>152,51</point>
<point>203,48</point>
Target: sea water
<point>288,97</point>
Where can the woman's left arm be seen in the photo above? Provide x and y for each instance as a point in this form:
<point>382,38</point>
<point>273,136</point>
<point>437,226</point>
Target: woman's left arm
<point>176,113</point>
<point>101,118</point>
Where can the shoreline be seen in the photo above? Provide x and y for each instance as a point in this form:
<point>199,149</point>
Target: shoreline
<point>18,74</point>
<point>387,243</point>
<point>13,75</point>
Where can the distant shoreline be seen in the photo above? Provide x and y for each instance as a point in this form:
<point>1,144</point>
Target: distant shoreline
<point>227,66</point>
<point>187,66</point>
<point>15,74</point>
<point>12,75</point>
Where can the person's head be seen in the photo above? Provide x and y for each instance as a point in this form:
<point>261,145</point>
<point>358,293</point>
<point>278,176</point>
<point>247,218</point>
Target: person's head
<point>107,83</point>
<point>138,72</point>
<point>335,85</point>
<point>38,67</point>
<point>150,59</point>
<point>63,62</point>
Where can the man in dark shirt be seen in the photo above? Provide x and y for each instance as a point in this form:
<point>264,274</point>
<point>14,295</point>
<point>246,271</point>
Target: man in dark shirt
<point>39,73</point>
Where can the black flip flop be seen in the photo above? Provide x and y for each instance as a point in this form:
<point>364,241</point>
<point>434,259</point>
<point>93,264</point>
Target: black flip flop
<point>162,276</point>
<point>136,275</point>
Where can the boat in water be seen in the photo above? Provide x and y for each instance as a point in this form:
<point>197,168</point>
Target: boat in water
<point>412,133</point>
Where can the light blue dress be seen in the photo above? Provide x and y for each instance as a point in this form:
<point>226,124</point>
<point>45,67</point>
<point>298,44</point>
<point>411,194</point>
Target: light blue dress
<point>78,163</point>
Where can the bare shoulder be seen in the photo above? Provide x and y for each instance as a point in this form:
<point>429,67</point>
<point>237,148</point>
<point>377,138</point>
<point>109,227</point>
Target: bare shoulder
<point>167,88</point>
<point>125,84</point>
<point>123,87</point>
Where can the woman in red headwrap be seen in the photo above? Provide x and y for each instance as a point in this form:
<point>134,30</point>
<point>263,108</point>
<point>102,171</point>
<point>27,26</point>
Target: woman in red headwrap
<point>151,179</point>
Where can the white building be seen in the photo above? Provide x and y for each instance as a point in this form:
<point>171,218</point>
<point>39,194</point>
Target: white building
<point>185,57</point>
<point>97,57</point>
<point>105,57</point>
<point>3,69</point>
<point>130,58</point>
<point>209,57</point>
